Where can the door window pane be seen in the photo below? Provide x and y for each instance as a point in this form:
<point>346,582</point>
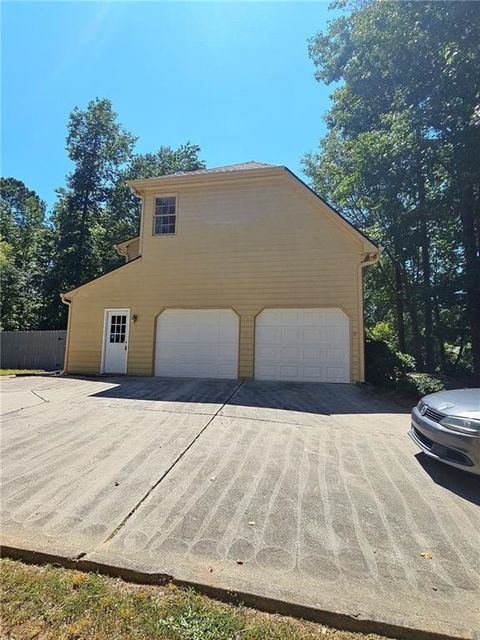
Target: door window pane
<point>118,328</point>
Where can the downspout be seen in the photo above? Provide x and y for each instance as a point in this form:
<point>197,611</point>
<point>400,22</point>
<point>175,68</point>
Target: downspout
<point>139,194</point>
<point>369,259</point>
<point>67,345</point>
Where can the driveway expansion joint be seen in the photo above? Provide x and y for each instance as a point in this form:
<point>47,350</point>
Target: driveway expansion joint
<point>39,396</point>
<point>120,526</point>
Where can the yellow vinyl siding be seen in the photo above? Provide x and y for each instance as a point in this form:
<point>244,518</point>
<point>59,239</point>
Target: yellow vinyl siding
<point>245,245</point>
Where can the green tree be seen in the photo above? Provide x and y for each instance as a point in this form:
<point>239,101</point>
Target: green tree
<point>96,209</point>
<point>400,156</point>
<point>100,149</point>
<point>23,231</point>
<point>122,214</point>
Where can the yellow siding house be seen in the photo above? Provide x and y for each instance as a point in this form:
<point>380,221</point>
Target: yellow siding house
<point>239,271</point>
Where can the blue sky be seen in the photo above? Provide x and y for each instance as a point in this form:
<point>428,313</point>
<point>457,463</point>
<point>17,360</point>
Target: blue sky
<point>234,78</point>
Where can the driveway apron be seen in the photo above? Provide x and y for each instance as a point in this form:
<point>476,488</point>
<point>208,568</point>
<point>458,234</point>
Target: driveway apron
<point>306,496</point>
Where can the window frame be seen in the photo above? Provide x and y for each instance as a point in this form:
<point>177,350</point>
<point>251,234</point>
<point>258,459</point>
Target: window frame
<point>154,216</point>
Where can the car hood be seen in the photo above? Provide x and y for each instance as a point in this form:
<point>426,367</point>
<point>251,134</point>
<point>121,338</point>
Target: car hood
<point>458,402</point>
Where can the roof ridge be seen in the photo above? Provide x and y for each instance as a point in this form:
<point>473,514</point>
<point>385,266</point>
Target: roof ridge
<point>239,166</point>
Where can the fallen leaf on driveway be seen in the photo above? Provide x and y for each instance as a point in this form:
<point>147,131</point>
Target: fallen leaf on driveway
<point>428,555</point>
<point>252,523</point>
<point>239,561</point>
<point>212,478</point>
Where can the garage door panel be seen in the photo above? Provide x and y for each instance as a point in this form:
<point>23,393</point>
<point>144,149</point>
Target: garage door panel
<point>310,374</point>
<point>265,372</point>
<point>268,334</point>
<point>335,374</point>
<point>312,354</point>
<point>299,373</point>
<point>336,356</point>
<point>289,354</point>
<point>270,354</point>
<point>336,334</point>
<point>303,345</point>
<point>312,317</point>
<point>199,343</point>
<point>289,372</point>
<point>229,334</point>
<point>289,334</point>
<point>313,335</point>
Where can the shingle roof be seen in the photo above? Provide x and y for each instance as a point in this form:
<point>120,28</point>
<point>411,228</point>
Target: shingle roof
<point>241,166</point>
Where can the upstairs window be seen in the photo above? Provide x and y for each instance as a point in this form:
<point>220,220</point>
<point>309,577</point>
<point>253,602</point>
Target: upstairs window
<point>165,215</point>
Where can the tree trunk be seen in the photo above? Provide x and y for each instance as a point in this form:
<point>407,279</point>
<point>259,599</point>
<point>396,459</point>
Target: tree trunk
<point>90,181</point>
<point>82,236</point>
<point>412,312</point>
<point>399,308</point>
<point>472,270</point>
<point>459,357</point>
<point>427,275</point>
<point>441,346</point>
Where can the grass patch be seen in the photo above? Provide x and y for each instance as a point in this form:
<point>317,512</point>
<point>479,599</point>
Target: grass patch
<point>59,604</point>
<point>12,372</point>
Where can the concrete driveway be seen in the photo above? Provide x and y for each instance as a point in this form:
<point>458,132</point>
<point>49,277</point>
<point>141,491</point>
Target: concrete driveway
<point>305,498</point>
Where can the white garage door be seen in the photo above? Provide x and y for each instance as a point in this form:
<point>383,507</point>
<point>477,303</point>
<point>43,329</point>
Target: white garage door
<point>202,343</point>
<point>311,345</point>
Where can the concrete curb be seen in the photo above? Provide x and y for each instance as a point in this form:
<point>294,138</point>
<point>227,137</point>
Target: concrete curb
<point>334,619</point>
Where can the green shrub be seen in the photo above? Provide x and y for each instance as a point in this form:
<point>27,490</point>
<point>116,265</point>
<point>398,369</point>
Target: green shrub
<point>416,385</point>
<point>383,332</point>
<point>384,366</point>
<point>390,369</point>
<point>455,366</point>
<point>408,361</point>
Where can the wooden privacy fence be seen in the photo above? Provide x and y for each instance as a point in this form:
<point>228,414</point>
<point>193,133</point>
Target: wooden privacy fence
<point>32,349</point>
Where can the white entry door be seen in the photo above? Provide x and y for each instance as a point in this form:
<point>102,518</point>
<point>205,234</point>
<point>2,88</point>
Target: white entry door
<point>201,343</point>
<point>311,345</point>
<point>117,322</point>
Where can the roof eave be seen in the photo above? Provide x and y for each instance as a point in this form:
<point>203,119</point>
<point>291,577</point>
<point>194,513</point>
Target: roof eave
<point>368,245</point>
<point>101,275</point>
<point>139,185</point>
<point>125,243</point>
